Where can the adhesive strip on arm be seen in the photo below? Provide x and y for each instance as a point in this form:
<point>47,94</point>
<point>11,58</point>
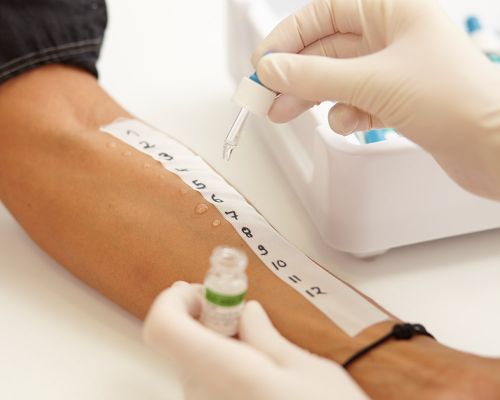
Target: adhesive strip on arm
<point>350,311</point>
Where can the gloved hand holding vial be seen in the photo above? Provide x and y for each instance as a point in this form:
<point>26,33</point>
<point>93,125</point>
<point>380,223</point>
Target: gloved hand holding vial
<point>261,365</point>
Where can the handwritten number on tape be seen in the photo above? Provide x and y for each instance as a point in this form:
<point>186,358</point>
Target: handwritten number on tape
<point>132,132</point>
<point>232,214</point>
<point>279,264</point>
<point>216,200</point>
<point>146,145</point>
<point>166,156</point>
<point>247,232</point>
<point>263,251</point>
<point>199,185</point>
<point>315,291</point>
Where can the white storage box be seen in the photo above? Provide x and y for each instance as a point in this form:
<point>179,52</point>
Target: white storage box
<point>364,199</point>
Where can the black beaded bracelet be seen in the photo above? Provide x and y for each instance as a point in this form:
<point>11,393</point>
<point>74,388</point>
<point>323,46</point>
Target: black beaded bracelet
<point>399,332</point>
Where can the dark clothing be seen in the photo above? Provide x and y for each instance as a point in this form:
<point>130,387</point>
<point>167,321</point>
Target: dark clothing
<point>38,32</point>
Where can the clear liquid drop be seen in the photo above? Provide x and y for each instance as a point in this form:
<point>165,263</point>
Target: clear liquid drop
<point>216,222</point>
<point>111,145</point>
<point>201,208</point>
<point>127,153</point>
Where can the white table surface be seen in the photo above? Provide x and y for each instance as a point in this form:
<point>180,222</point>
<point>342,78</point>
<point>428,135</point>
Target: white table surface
<point>165,61</point>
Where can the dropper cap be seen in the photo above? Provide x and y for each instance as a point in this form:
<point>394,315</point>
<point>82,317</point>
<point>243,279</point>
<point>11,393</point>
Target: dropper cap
<point>254,96</point>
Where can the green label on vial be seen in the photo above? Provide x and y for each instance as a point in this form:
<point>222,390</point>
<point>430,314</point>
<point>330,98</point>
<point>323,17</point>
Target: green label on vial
<point>224,300</point>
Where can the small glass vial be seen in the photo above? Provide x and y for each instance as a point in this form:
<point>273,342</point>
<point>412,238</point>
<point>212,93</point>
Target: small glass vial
<point>224,290</point>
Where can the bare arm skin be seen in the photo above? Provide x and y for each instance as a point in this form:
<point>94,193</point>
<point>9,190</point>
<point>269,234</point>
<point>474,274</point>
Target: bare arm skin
<point>126,229</point>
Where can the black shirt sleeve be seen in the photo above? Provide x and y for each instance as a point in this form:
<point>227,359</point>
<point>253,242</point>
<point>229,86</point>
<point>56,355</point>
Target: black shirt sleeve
<point>39,32</point>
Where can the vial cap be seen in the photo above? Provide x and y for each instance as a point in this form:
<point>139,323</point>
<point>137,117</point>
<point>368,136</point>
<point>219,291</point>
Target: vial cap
<point>228,258</point>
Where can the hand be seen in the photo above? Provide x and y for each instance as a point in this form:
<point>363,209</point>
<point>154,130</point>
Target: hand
<point>261,365</point>
<point>395,63</point>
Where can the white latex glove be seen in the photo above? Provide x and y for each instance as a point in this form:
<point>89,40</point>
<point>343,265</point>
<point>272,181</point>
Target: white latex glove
<point>262,365</point>
<point>396,63</point>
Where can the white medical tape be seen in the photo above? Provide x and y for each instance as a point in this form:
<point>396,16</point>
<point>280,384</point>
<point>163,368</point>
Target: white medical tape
<point>341,304</point>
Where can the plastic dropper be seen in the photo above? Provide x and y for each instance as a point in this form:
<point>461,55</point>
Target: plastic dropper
<point>253,98</point>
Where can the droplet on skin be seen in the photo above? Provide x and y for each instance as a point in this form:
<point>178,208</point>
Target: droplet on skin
<point>201,208</point>
<point>216,222</point>
<point>127,153</point>
<point>111,145</point>
<point>183,191</point>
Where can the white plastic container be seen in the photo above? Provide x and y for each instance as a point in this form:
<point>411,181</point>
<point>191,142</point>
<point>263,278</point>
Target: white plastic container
<point>364,199</point>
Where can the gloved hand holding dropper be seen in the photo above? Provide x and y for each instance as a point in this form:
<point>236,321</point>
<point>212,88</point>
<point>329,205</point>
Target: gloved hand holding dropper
<point>393,63</point>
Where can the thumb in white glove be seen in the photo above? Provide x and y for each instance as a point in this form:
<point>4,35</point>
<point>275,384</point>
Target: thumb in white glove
<point>262,365</point>
<point>394,63</point>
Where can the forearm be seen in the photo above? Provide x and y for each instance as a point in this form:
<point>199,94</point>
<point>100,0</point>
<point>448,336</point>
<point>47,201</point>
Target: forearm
<point>121,223</point>
<point>111,215</point>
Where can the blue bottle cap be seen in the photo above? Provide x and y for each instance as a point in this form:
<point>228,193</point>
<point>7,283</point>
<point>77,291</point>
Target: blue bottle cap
<point>494,58</point>
<point>255,78</point>
<point>473,24</point>
<point>375,135</point>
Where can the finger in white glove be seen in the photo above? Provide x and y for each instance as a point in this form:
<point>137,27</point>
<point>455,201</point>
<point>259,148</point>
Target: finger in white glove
<point>395,63</point>
<point>263,365</point>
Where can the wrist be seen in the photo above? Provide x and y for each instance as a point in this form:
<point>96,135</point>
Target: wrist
<point>422,368</point>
